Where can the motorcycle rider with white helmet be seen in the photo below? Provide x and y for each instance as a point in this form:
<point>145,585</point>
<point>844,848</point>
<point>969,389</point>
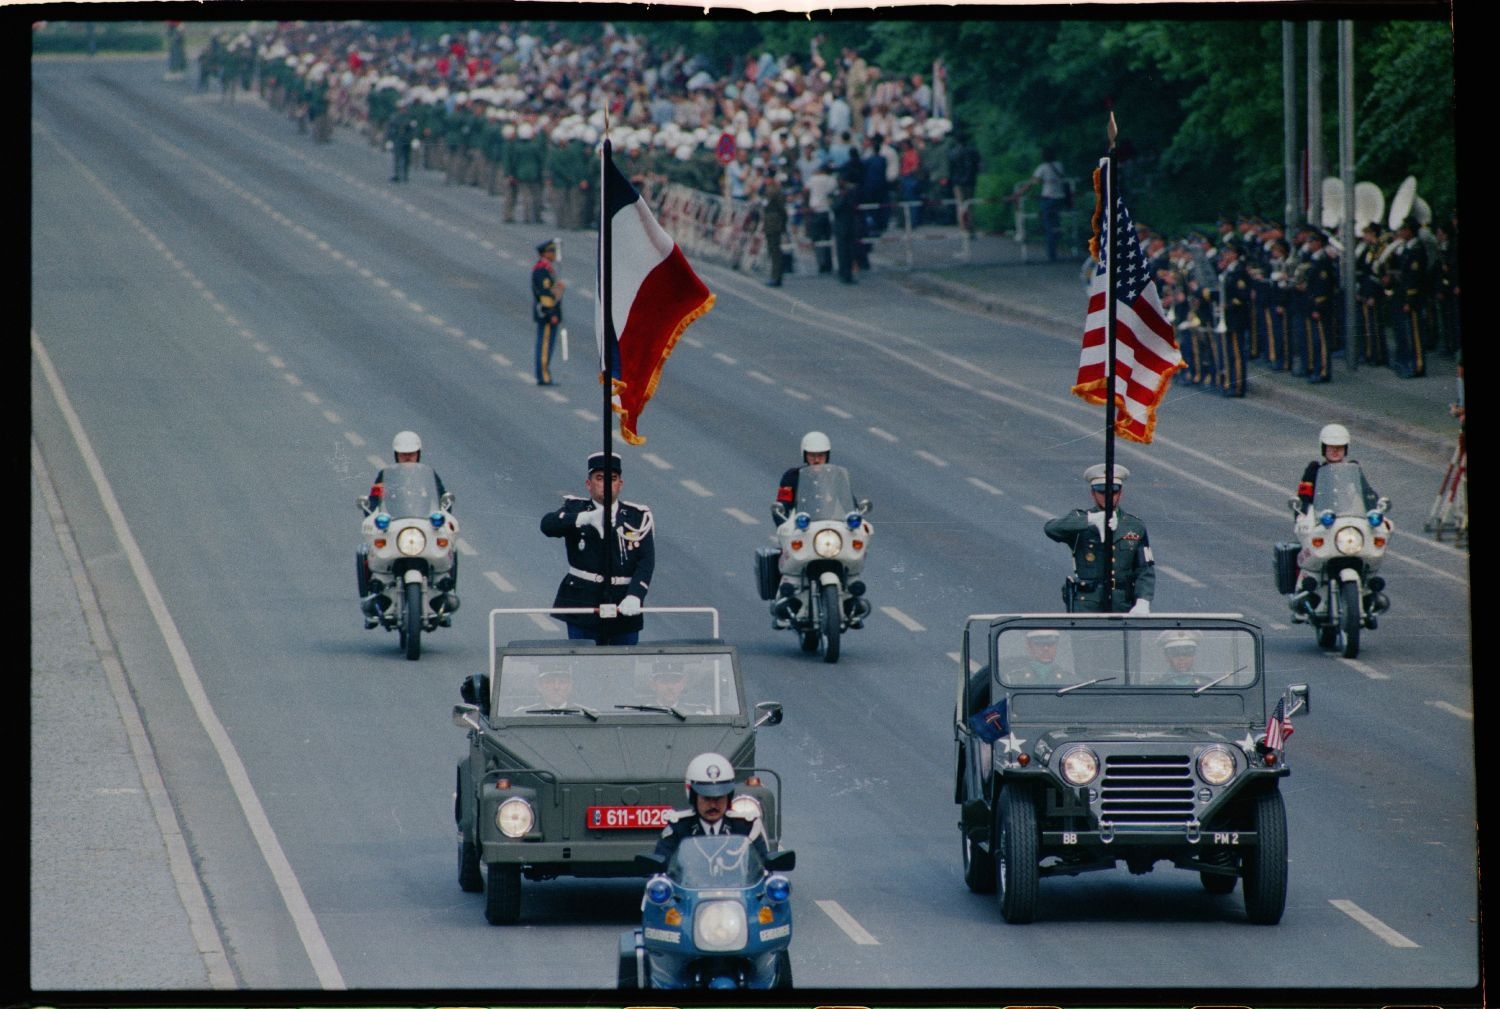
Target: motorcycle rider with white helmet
<point>405,447</point>
<point>817,449</point>
<point>710,791</point>
<point>1333,445</point>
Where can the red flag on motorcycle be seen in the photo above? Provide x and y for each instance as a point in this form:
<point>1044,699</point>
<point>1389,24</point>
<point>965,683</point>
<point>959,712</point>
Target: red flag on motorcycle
<point>648,295</point>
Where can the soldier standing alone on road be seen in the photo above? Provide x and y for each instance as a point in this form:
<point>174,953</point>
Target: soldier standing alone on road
<point>1083,532</point>
<point>546,293</point>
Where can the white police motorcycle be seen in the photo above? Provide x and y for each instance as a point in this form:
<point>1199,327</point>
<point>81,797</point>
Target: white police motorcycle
<point>407,566</point>
<point>824,540</point>
<point>1342,539</point>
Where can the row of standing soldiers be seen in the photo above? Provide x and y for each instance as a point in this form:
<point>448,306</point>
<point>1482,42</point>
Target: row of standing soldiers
<point>1267,298</point>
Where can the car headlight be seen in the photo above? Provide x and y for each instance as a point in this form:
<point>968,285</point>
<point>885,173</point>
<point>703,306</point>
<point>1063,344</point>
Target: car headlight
<point>828,543</point>
<point>747,806</point>
<point>515,817</point>
<point>1079,765</point>
<point>411,541</point>
<point>1216,765</point>
<point>1349,540</point>
<point>720,925</point>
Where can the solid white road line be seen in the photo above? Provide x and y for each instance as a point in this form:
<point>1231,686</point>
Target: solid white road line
<point>313,941</point>
<point>901,618</point>
<point>1374,924</point>
<point>844,920</point>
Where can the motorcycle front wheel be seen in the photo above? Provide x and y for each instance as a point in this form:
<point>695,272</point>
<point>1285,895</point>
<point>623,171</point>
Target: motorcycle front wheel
<point>829,622</point>
<point>1349,617</point>
<point>411,621</point>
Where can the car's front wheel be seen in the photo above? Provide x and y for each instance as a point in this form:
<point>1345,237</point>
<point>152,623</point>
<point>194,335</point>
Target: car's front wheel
<point>1016,854</point>
<point>1265,864</point>
<point>502,894</point>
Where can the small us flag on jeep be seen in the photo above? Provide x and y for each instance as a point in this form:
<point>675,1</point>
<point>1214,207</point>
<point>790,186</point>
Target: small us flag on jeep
<point>1278,727</point>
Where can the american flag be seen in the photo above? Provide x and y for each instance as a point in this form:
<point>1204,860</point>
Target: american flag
<point>1146,352</point>
<point>1278,726</point>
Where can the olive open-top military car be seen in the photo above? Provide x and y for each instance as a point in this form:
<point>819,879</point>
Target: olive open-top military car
<point>1086,740</point>
<point>577,752</point>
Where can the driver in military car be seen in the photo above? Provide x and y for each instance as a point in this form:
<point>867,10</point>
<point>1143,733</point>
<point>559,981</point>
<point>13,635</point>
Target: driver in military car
<point>1180,647</point>
<point>668,681</point>
<point>1039,664</point>
<point>555,685</point>
<point>1083,533</point>
<point>710,791</point>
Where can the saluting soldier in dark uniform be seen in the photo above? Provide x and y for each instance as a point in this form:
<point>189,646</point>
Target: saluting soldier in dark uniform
<point>1232,343</point>
<point>546,293</point>
<point>1083,533</point>
<point>632,557</point>
<point>1321,325</point>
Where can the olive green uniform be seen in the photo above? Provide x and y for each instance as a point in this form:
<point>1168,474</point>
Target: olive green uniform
<point>1135,571</point>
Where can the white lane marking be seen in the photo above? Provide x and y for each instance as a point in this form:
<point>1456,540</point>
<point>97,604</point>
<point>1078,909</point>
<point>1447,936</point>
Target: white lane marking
<point>656,460</point>
<point>1374,924</point>
<point>721,356</point>
<point>1452,709</point>
<point>796,393</point>
<point>543,622</point>
<point>1370,672</point>
<point>742,517</point>
<point>693,341</point>
<point>936,460</point>
<point>525,376</point>
<point>844,920</point>
<point>334,418</point>
<point>987,488</point>
<point>882,433</point>
<point>312,398</point>
<point>478,344</point>
<point>260,348</point>
<point>292,379</point>
<point>587,415</point>
<point>697,488</point>
<point>901,618</point>
<point>501,360</point>
<point>352,438</point>
<point>1040,513</point>
<point>761,376</point>
<point>464,548</point>
<point>376,461</point>
<point>313,940</point>
<point>275,362</point>
<point>554,395</point>
<point>840,414</point>
<point>499,582</point>
<point>179,860</point>
<point>1181,576</point>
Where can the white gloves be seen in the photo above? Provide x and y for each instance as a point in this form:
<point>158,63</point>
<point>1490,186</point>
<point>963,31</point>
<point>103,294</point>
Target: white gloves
<point>630,606</point>
<point>595,517</point>
<point>1096,519</point>
<point>1142,606</point>
<point>389,145</point>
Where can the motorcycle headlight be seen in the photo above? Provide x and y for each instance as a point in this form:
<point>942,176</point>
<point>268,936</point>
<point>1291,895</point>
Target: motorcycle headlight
<point>515,817</point>
<point>720,926</point>
<point>1349,540</point>
<point>1079,765</point>
<point>828,543</point>
<point>411,541</point>
<point>747,806</point>
<point>1216,765</point>
<point>382,521</point>
<point>437,520</point>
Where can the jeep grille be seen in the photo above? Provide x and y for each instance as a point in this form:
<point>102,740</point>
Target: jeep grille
<point>1146,791</point>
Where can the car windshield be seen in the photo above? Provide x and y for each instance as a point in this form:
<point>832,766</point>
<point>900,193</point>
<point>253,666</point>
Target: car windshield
<point>725,860</point>
<point>676,685</point>
<point>1108,656</point>
<point>409,490</point>
<point>1341,489</point>
<point>823,492</point>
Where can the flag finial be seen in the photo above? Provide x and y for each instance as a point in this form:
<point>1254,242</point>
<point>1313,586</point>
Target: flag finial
<point>1111,131</point>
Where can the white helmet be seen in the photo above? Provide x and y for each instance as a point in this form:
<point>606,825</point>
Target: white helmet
<point>816,441</point>
<point>709,774</point>
<point>406,441</point>
<point>1333,434</point>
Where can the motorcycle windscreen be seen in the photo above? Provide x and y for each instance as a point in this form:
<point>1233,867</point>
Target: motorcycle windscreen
<point>723,860</point>
<point>823,492</point>
<point>410,490</point>
<point>1341,489</point>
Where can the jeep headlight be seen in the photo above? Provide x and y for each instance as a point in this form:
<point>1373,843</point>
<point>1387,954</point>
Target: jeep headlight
<point>747,806</point>
<point>411,541</point>
<point>515,817</point>
<point>1216,765</point>
<point>720,926</point>
<point>828,543</point>
<point>1079,765</point>
<point>1349,540</point>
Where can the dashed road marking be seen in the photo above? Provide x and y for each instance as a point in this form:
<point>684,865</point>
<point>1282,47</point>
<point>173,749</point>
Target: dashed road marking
<point>1180,576</point>
<point>478,344</point>
<point>844,920</point>
<point>901,618</point>
<point>501,360</point>
<point>376,461</point>
<point>588,415</point>
<point>761,376</point>
<point>987,488</point>
<point>656,460</point>
<point>743,518</point>
<point>1359,667</point>
<point>882,433</point>
<point>543,622</point>
<point>554,395</point>
<point>796,394</point>
<point>720,356</point>
<point>697,488</point>
<point>275,362</point>
<point>499,581</point>
<point>1452,709</point>
<point>840,414</point>
<point>465,549</point>
<point>936,460</point>
<point>312,398</point>
<point>1374,924</point>
<point>292,379</point>
<point>334,418</point>
<point>354,439</point>
<point>1040,513</point>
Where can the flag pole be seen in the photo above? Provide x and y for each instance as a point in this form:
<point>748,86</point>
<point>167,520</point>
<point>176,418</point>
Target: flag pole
<point>611,351</point>
<point>1111,251</point>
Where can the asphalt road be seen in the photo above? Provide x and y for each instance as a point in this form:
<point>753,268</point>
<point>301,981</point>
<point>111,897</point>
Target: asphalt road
<point>229,322</point>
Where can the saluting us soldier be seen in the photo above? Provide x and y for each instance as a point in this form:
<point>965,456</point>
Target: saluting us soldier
<point>1087,589</point>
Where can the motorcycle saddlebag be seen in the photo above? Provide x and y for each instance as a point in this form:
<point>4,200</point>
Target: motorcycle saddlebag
<point>1285,556</point>
<point>767,571</point>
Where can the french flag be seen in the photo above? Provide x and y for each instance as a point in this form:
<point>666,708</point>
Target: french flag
<point>648,295</point>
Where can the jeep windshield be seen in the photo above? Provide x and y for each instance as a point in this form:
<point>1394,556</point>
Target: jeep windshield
<point>714,862</point>
<point>656,685</point>
<point>409,490</point>
<point>1109,657</point>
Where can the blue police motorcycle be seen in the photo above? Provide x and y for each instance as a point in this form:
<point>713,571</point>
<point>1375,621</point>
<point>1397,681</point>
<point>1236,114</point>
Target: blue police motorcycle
<point>716,915</point>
